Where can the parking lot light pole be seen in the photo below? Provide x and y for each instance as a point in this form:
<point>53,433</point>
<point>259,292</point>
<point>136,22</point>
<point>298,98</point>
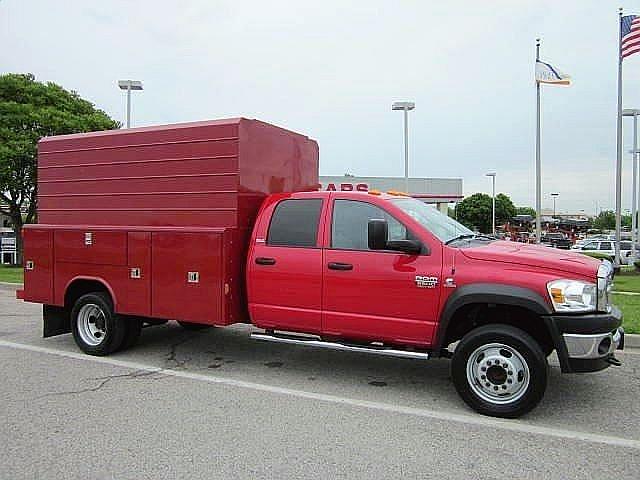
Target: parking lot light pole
<point>405,106</point>
<point>632,112</point>
<point>554,195</point>
<point>493,196</point>
<point>129,85</point>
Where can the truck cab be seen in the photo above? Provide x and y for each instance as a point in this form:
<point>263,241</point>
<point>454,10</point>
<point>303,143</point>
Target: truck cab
<point>383,270</point>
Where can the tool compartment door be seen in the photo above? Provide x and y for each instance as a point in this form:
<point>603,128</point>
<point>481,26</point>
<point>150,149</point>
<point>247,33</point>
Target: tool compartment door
<point>38,260</point>
<point>91,247</point>
<point>187,276</point>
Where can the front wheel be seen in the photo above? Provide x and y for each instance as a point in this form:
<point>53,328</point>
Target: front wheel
<point>500,371</point>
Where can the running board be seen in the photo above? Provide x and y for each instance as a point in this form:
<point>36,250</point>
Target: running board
<point>311,342</point>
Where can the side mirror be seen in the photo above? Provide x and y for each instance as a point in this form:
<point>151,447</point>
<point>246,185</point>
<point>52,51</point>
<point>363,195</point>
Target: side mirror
<point>377,234</point>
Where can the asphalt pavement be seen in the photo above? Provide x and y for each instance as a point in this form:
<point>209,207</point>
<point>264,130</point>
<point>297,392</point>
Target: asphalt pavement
<point>216,404</point>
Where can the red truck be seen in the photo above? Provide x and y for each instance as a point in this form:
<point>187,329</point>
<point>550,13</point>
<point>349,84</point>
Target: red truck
<point>221,222</point>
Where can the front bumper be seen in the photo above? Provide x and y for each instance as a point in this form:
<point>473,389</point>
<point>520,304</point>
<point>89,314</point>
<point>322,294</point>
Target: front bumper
<point>586,343</point>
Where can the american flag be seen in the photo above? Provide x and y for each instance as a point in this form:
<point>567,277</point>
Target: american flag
<point>629,35</point>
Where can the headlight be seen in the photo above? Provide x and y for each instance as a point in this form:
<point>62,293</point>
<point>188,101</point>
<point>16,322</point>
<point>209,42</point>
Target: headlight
<point>573,296</point>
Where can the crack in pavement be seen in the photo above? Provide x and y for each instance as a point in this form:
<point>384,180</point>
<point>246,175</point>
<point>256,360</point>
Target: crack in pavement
<point>172,356</point>
<point>102,383</point>
<point>173,353</point>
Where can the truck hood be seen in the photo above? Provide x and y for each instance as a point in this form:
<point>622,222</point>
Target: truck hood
<point>536,256</point>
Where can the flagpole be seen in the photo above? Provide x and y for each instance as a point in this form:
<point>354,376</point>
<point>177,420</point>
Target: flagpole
<point>619,147</point>
<point>538,174</point>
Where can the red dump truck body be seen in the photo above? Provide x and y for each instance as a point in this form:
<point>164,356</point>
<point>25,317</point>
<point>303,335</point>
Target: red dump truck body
<point>161,215</point>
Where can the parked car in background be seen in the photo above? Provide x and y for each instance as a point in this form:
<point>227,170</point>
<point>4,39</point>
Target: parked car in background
<point>556,239</point>
<point>607,247</point>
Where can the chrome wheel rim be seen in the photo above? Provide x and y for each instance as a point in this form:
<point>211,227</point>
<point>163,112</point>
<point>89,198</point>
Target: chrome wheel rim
<point>92,324</point>
<point>498,373</point>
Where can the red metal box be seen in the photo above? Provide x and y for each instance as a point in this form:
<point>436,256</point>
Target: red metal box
<point>207,174</point>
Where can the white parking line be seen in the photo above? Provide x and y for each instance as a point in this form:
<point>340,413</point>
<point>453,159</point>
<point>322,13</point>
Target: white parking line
<point>477,420</point>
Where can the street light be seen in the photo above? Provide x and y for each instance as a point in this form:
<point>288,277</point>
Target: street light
<point>129,85</point>
<point>405,107</point>
<point>554,195</point>
<point>632,112</point>
<point>493,216</point>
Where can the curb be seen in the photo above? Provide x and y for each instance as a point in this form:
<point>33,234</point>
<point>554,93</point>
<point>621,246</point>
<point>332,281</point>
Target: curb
<point>631,340</point>
<point>10,286</point>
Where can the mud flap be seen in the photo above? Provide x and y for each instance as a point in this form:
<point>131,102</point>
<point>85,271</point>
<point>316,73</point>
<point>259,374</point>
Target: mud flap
<point>56,321</point>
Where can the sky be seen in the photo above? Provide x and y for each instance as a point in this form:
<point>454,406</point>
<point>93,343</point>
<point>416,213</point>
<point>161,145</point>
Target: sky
<point>331,70</point>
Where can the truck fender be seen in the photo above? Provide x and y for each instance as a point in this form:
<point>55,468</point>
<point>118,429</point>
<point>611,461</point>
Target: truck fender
<point>57,317</point>
<point>102,281</point>
<point>488,293</point>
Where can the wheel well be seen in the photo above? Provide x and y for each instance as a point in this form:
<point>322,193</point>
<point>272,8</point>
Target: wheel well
<point>81,287</point>
<point>470,316</point>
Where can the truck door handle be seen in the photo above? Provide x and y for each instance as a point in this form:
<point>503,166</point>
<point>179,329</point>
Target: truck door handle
<point>265,261</point>
<point>339,266</point>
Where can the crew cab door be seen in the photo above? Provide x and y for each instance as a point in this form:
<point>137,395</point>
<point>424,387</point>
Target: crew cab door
<point>373,294</point>
<point>284,270</point>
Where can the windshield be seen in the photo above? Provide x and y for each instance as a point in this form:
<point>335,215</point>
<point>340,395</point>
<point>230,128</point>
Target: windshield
<point>442,226</point>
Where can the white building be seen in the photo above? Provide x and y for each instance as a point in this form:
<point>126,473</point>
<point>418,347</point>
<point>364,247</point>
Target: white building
<point>437,191</point>
<point>7,246</point>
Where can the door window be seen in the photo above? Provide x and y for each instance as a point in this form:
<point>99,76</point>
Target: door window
<point>295,223</point>
<point>349,229</point>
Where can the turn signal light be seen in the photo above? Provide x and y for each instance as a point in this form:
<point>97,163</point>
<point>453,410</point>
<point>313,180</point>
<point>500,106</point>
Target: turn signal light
<point>557,295</point>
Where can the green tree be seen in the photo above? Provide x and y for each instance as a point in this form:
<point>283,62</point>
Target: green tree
<point>526,211</point>
<point>476,211</point>
<point>606,220</point>
<point>505,209</point>
<point>30,110</point>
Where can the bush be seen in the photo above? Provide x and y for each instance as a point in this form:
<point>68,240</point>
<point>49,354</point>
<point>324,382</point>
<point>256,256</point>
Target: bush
<point>637,265</point>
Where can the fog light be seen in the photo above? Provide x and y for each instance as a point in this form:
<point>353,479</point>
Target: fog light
<point>604,346</point>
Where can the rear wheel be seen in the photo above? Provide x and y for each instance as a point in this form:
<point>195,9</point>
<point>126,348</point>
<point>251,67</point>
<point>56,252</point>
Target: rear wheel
<point>96,328</point>
<point>500,371</point>
<point>193,326</point>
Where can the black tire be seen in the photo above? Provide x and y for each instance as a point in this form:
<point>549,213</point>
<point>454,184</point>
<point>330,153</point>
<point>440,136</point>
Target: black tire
<point>99,307</point>
<point>193,327</point>
<point>523,353</point>
<point>133,328</point>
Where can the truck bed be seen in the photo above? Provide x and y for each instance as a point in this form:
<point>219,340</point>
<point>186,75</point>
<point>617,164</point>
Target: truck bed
<point>188,274</point>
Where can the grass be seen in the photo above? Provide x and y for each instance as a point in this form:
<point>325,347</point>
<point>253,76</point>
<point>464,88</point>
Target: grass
<point>630,306</point>
<point>10,274</point>
<point>627,283</point>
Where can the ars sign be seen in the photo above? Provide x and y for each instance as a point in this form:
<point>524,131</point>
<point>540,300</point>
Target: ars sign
<point>347,187</point>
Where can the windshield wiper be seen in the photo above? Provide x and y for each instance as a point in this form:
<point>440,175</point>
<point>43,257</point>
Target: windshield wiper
<point>460,237</point>
<point>470,236</point>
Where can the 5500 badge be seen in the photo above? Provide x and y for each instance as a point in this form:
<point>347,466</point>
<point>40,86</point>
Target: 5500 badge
<point>423,281</point>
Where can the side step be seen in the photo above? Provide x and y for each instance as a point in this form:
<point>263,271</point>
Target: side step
<point>314,342</point>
